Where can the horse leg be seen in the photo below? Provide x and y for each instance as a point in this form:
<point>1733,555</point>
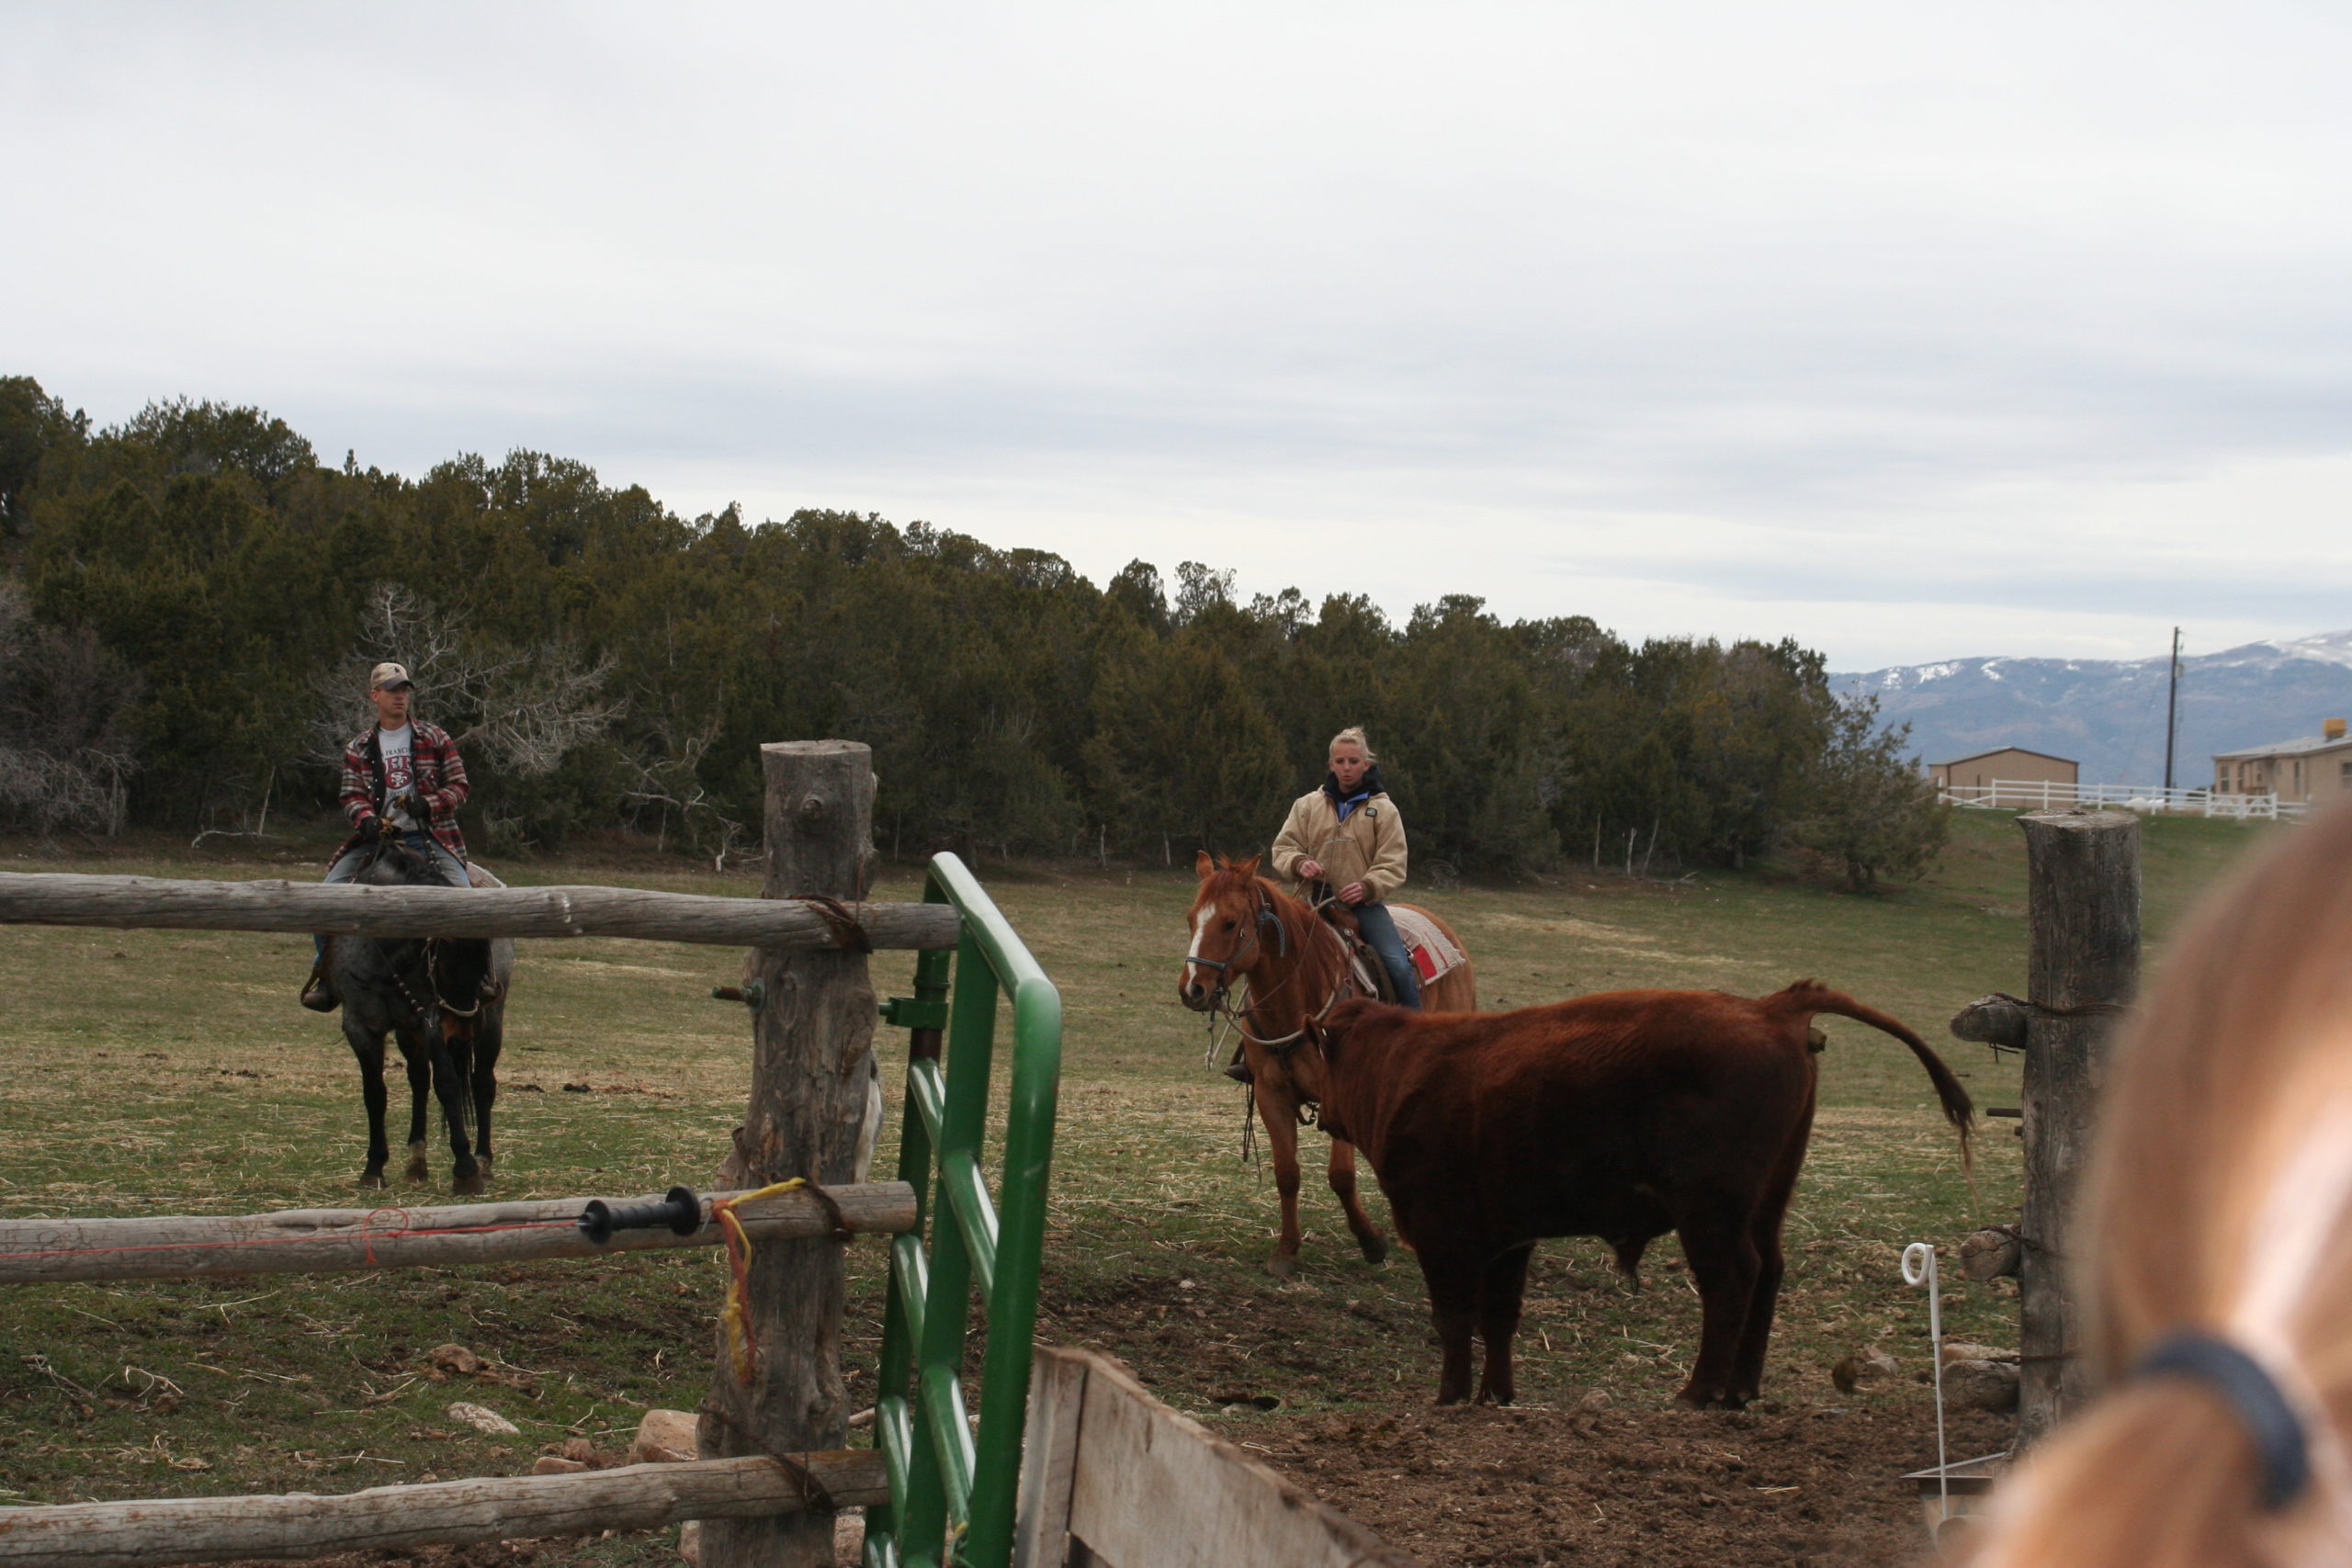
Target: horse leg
<point>1279,1110</point>
<point>452,1084</point>
<point>1343,1182</point>
<point>370,1052</point>
<point>1500,1290</point>
<point>420,1086</point>
<point>489,1038</point>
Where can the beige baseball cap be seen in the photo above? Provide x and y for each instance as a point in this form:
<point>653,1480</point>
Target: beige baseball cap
<point>388,674</point>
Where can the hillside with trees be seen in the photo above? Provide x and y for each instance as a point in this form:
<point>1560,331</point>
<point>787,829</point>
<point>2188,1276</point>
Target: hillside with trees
<point>191,600</point>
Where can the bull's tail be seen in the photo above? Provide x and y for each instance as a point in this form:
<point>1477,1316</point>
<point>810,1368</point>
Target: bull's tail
<point>1806,997</point>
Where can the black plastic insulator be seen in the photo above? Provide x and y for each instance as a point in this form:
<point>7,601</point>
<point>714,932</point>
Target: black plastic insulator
<point>680,1212</point>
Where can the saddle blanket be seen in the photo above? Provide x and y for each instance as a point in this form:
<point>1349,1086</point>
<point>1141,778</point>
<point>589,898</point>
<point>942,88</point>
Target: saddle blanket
<point>1432,954</point>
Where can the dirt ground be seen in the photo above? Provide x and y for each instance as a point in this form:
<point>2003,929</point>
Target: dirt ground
<point>1575,1477</point>
<point>1485,1488</point>
<point>1491,1488</point>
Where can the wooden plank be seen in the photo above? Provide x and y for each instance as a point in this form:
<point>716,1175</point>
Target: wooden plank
<point>296,1525</point>
<point>2082,962</point>
<point>1154,1489</point>
<point>811,1057</point>
<point>182,1247</point>
<point>1049,1456</point>
<point>345,909</point>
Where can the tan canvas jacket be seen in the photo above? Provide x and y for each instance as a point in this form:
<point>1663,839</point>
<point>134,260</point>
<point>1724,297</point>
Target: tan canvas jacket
<point>1369,847</point>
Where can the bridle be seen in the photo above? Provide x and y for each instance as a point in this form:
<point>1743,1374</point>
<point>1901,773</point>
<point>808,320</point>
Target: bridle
<point>424,1006</point>
<point>1221,1005</point>
<point>482,994</point>
<point>1224,967</point>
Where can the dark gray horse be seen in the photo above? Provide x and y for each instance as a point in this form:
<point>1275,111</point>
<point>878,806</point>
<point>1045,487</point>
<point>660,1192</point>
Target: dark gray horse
<point>445,1001</point>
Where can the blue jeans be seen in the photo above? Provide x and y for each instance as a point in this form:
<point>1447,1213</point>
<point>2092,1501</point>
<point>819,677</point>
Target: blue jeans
<point>347,866</point>
<point>1379,929</point>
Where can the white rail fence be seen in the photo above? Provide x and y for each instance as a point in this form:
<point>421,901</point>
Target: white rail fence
<point>2041,794</point>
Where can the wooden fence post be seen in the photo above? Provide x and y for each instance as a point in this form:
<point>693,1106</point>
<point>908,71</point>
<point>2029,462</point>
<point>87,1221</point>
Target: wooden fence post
<point>2083,905</point>
<point>812,1034</point>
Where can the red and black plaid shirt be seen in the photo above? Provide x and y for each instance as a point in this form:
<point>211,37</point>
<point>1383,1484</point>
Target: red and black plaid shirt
<point>439,783</point>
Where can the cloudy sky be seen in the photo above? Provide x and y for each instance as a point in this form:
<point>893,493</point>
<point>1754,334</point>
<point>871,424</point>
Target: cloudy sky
<point>1909,331</point>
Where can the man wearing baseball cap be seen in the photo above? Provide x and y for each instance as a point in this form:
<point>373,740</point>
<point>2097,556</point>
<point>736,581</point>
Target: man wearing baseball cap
<point>402,777</point>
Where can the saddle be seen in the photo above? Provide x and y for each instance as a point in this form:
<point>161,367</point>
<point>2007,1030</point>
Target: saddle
<point>1426,947</point>
<point>1371,974</point>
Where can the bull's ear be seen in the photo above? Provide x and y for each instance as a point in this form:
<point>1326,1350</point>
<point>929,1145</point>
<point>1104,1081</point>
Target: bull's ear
<point>1205,864</point>
<point>1248,867</point>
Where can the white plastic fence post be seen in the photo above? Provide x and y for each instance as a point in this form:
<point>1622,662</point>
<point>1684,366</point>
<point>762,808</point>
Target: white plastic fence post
<point>1919,1268</point>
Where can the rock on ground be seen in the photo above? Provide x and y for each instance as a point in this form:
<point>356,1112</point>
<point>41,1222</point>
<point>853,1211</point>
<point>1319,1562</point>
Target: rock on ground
<point>664,1436</point>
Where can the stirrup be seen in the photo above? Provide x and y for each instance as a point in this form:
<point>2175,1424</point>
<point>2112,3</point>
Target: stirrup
<point>1239,1071</point>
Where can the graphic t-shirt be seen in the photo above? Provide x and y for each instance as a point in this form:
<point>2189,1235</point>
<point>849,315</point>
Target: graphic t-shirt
<point>400,768</point>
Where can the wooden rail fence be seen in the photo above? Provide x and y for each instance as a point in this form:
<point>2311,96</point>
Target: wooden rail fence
<point>813,1024</point>
<point>639,1497</point>
<point>189,1246</point>
<point>59,898</point>
<point>1107,1475</point>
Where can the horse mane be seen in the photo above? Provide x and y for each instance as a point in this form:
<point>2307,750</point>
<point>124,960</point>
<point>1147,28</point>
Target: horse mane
<point>1297,917</point>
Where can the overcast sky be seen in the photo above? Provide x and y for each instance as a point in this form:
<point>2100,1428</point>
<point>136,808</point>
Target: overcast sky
<point>1909,331</point>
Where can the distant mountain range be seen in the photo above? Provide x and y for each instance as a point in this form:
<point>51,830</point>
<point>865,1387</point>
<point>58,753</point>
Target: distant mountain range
<point>2109,714</point>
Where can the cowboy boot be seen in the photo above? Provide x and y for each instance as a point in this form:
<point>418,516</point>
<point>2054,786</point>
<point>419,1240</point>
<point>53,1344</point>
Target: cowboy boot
<point>1237,1069</point>
<point>318,991</point>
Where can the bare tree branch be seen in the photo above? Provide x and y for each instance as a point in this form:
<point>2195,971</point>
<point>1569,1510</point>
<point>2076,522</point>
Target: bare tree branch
<point>673,782</point>
<point>65,749</point>
<point>523,710</point>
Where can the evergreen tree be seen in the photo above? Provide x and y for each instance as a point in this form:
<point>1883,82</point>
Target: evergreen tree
<point>609,662</point>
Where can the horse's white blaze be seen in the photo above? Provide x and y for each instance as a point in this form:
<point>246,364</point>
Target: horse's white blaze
<point>1200,930</point>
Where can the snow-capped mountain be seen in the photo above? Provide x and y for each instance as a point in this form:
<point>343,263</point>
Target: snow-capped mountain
<point>2109,714</point>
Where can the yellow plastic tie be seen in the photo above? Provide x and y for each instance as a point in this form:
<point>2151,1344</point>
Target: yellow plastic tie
<point>735,1320</point>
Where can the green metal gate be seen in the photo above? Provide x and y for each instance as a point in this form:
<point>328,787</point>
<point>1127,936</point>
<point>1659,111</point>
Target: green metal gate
<point>953,1490</point>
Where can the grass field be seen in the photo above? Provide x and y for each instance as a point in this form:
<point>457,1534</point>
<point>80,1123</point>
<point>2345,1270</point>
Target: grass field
<point>159,1072</point>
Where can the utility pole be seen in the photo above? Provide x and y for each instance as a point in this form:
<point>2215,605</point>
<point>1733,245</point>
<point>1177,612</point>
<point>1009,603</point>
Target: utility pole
<point>2172,706</point>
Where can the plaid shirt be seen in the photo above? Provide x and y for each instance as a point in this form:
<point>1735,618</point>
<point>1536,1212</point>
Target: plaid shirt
<point>440,784</point>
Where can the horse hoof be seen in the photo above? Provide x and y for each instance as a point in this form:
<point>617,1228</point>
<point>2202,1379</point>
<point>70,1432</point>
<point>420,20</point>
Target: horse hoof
<point>371,1178</point>
<point>1281,1268</point>
<point>471,1185</point>
<point>487,1163</point>
<point>1375,1247</point>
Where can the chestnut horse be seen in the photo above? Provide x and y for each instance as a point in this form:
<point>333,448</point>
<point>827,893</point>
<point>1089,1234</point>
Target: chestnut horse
<point>1245,927</point>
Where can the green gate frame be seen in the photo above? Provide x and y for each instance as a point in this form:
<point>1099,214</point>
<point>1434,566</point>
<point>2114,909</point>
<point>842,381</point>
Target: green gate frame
<point>953,1491</point>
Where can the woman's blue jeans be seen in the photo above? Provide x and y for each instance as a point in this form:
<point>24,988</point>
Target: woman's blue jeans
<point>1379,929</point>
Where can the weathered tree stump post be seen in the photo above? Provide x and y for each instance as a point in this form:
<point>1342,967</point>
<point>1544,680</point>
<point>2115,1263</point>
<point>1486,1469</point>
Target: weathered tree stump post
<point>812,1034</point>
<point>2084,908</point>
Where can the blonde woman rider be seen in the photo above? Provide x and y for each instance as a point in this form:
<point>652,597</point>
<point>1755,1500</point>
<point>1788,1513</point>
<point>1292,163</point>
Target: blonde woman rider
<point>1349,836</point>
